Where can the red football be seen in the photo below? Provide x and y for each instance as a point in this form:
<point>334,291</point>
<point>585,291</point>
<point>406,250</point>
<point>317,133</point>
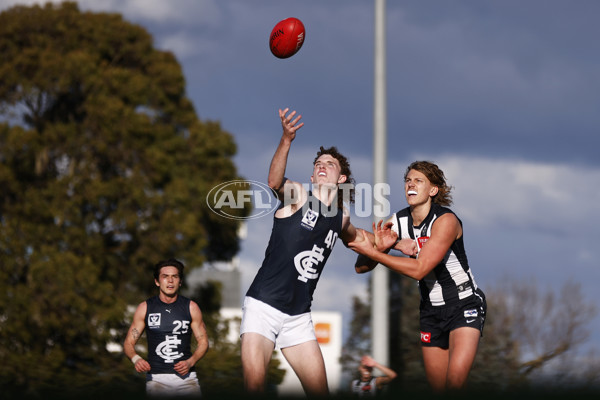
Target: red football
<point>287,37</point>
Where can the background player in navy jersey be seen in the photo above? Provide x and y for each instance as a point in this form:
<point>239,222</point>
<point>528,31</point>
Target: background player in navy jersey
<point>170,319</point>
<point>307,224</point>
<point>452,310</point>
<point>368,385</point>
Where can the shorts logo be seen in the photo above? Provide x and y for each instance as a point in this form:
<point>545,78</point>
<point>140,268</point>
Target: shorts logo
<point>154,320</point>
<point>309,220</point>
<point>426,337</point>
<point>471,313</point>
<point>306,261</point>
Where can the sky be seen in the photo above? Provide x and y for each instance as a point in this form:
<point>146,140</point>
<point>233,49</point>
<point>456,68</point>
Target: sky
<point>502,95</point>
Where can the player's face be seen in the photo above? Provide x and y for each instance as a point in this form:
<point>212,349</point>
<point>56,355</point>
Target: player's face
<point>417,188</point>
<point>168,281</point>
<point>327,170</point>
<point>365,372</point>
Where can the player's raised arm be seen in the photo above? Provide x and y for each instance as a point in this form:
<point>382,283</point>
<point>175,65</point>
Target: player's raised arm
<point>290,124</point>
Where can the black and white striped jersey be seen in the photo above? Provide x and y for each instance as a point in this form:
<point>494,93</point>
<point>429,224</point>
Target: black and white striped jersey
<point>451,280</point>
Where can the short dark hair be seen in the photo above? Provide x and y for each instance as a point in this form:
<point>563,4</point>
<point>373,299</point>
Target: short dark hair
<point>344,170</point>
<point>171,262</point>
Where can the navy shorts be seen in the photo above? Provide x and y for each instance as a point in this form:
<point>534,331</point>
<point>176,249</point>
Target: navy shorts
<point>436,323</point>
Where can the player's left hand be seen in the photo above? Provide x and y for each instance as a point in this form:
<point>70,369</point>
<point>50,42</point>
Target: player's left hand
<point>385,237</point>
<point>182,367</point>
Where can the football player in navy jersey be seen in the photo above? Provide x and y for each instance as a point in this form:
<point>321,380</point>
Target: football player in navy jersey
<point>170,320</point>
<point>276,311</point>
<point>453,307</point>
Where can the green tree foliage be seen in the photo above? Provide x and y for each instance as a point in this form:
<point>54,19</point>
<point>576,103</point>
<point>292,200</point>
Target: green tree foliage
<point>104,170</point>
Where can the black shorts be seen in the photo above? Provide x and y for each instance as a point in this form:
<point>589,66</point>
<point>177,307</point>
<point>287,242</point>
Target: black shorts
<point>436,323</point>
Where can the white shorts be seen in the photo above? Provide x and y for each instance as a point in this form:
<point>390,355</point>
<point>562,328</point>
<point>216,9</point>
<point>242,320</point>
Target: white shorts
<point>282,329</point>
<point>172,385</point>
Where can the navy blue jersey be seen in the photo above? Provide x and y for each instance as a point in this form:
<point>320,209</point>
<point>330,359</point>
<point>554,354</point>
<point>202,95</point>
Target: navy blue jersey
<point>169,333</point>
<point>451,280</point>
<point>295,257</point>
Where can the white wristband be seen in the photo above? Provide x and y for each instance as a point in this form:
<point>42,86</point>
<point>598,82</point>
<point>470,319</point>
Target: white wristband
<point>135,359</point>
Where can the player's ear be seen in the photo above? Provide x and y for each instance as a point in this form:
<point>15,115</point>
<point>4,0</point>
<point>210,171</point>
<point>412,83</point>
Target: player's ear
<point>433,191</point>
<point>342,178</point>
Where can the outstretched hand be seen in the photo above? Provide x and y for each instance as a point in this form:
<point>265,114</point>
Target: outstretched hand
<point>385,237</point>
<point>408,247</point>
<point>290,124</point>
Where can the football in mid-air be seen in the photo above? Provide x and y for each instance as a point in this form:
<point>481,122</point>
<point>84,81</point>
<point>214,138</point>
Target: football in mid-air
<point>287,37</point>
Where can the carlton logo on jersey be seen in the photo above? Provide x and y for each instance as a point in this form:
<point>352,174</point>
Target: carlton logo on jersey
<point>306,262</point>
<point>167,350</point>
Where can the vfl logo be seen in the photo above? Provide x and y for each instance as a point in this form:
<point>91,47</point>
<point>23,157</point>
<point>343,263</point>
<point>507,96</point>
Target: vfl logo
<point>154,320</point>
<point>426,337</point>
<point>167,350</point>
<point>230,199</point>
<point>309,220</point>
<point>305,262</point>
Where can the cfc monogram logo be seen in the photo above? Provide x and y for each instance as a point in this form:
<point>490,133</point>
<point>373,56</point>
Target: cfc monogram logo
<point>167,350</point>
<point>306,262</point>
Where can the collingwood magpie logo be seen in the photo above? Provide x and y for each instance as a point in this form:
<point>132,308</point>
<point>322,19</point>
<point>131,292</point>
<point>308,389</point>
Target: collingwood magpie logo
<point>306,262</point>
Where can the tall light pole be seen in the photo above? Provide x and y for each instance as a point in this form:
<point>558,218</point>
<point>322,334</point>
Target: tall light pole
<point>379,277</point>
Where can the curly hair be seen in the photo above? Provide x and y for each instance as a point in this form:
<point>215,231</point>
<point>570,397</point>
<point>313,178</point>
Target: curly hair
<point>344,170</point>
<point>436,177</point>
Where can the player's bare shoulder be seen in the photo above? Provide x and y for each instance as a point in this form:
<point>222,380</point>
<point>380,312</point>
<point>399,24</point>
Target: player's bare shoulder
<point>292,195</point>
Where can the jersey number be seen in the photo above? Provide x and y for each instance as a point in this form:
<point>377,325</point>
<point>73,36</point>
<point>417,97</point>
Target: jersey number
<point>330,239</point>
<point>181,327</point>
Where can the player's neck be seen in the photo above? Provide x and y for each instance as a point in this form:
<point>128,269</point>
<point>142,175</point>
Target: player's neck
<point>326,193</point>
<point>419,213</point>
<point>168,299</point>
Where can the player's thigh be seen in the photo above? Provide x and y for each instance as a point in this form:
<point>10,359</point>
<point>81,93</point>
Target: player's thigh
<point>256,352</point>
<point>463,348</point>
<point>435,360</point>
<point>305,358</point>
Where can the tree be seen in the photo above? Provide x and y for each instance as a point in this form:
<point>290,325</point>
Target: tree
<point>547,331</point>
<point>104,168</point>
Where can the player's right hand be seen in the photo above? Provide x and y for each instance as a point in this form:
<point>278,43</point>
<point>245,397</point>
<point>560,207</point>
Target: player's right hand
<point>142,366</point>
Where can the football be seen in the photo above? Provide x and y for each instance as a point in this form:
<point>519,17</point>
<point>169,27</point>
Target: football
<point>287,37</point>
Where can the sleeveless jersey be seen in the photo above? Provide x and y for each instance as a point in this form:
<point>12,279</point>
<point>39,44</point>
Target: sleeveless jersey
<point>169,333</point>
<point>451,280</point>
<point>295,257</point>
<point>361,388</point>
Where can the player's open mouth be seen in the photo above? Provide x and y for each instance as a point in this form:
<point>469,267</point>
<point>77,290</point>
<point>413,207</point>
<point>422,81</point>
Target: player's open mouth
<point>412,192</point>
<point>322,174</point>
